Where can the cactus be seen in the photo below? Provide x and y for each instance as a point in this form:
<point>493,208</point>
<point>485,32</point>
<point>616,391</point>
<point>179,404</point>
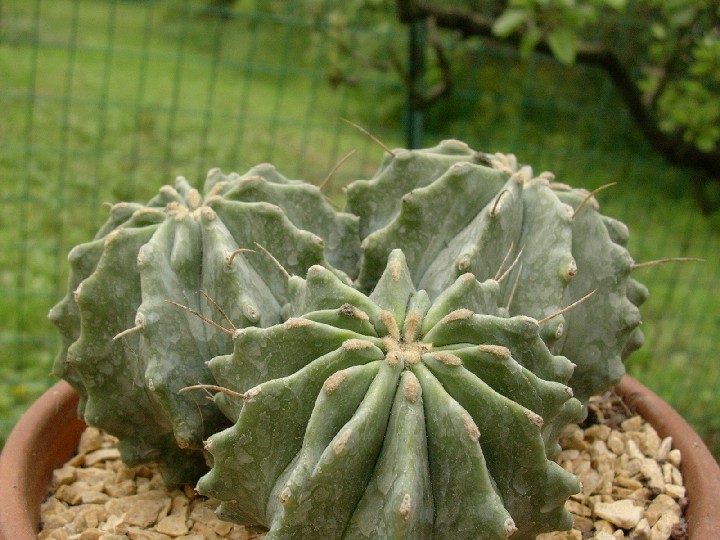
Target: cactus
<point>414,384</point>
<point>391,416</point>
<point>127,346</point>
<point>453,210</point>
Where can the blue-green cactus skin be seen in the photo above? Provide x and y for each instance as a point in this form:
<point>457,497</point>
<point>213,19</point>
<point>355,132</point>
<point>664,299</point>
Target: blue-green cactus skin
<point>183,249</point>
<point>391,416</point>
<point>453,210</point>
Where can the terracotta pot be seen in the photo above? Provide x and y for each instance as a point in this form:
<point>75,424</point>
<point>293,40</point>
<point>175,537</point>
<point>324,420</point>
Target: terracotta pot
<point>701,473</point>
<point>45,437</point>
<point>48,433</point>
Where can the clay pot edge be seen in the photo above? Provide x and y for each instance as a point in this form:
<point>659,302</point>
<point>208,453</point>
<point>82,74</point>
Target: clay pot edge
<point>701,473</point>
<point>44,438</point>
<point>53,417</point>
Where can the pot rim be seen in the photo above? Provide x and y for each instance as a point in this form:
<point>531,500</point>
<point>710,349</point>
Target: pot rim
<point>701,473</point>
<point>27,462</point>
<point>26,465</point>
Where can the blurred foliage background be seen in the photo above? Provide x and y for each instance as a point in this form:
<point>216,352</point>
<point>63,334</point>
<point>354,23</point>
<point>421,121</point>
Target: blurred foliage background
<point>106,100</point>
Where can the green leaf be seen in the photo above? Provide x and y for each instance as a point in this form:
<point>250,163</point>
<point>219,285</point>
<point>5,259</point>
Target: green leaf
<point>510,21</point>
<point>618,5</point>
<point>683,17</point>
<point>658,31</point>
<point>529,41</point>
<point>563,44</point>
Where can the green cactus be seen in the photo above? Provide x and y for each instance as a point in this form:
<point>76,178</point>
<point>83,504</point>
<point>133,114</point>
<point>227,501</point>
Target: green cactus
<point>182,249</point>
<point>453,210</point>
<point>391,416</point>
<point>413,385</point>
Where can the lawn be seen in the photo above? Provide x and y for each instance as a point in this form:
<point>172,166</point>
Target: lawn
<point>106,101</point>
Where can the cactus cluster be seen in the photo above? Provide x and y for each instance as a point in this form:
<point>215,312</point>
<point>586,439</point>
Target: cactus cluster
<point>400,369</point>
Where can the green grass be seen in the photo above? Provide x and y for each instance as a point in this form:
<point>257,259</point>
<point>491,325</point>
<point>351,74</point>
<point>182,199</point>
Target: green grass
<point>103,101</point>
<point>106,101</point>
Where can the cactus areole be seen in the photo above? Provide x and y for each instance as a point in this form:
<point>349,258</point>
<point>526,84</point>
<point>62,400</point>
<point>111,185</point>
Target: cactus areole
<point>401,369</point>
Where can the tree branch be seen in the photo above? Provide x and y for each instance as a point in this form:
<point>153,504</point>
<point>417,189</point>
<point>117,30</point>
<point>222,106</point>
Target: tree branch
<point>671,145</point>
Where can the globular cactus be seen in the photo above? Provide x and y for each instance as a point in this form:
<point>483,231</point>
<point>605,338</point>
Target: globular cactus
<point>414,385</point>
<point>131,326</point>
<point>392,416</point>
<point>453,210</point>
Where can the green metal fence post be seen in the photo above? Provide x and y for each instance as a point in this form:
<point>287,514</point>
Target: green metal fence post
<point>416,71</point>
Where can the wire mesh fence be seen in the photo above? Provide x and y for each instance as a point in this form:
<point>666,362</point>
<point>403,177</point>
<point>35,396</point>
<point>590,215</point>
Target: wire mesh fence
<point>103,101</point>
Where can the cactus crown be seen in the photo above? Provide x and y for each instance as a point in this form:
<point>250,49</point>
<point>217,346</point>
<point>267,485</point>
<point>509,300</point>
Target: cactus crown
<point>401,369</point>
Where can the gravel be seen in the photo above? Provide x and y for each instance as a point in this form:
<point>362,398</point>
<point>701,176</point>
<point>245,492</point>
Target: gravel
<point>631,489</point>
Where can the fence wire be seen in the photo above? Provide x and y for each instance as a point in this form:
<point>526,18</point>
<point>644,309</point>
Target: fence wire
<point>103,101</point>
